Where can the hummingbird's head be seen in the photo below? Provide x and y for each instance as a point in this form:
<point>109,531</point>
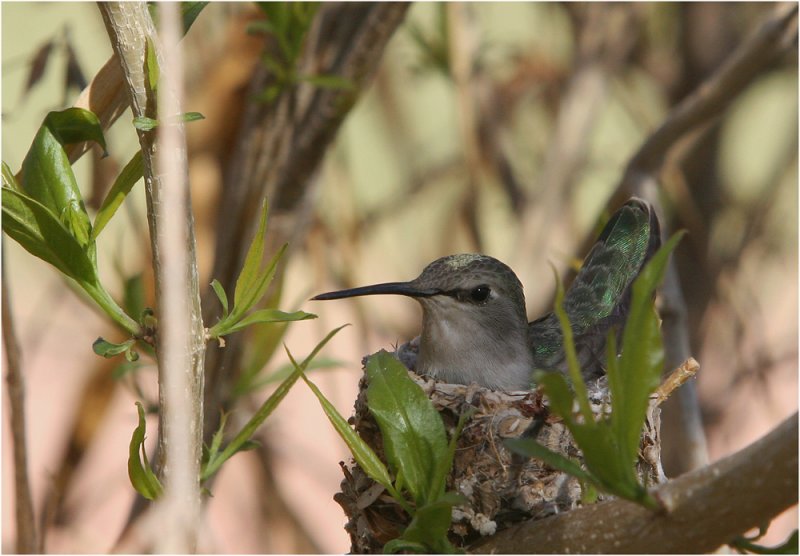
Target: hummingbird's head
<point>476,283</point>
<point>474,326</point>
<point>471,284</point>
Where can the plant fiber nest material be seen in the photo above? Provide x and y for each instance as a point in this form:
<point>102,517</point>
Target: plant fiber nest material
<point>501,488</point>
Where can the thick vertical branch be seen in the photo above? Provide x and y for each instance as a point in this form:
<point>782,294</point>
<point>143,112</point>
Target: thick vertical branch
<point>26,523</point>
<point>281,146</point>
<point>182,341</point>
<point>180,338</point>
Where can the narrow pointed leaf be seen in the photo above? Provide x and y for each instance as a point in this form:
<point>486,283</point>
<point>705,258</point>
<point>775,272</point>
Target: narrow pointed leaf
<point>266,409</point>
<point>267,316</point>
<point>151,63</point>
<point>141,475</point>
<point>143,123</point>
<point>366,458</point>
<point>531,448</point>
<point>9,180</point>
<point>130,174</point>
<point>642,360</point>
<point>221,295</point>
<point>247,282</point>
<point>191,117</point>
<point>573,367</point>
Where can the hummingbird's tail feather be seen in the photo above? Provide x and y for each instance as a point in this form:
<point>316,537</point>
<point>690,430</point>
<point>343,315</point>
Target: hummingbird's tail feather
<point>599,297</point>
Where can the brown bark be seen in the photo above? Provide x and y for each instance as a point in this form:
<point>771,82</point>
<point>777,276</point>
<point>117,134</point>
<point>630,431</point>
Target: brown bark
<point>703,509</point>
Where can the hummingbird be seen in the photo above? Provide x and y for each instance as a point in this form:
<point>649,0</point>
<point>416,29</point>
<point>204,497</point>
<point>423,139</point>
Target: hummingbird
<point>474,322</point>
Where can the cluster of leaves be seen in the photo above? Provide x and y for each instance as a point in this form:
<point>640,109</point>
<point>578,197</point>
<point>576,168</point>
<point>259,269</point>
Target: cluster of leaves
<point>610,443</point>
<point>417,450</point>
<point>145,480</point>
<point>44,211</point>
<point>288,23</point>
<point>251,286</point>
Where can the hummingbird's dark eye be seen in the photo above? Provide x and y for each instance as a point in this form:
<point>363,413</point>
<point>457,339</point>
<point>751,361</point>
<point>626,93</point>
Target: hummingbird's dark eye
<point>481,293</point>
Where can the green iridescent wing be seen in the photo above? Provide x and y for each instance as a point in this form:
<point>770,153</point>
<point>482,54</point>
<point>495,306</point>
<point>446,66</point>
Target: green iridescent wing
<point>600,294</point>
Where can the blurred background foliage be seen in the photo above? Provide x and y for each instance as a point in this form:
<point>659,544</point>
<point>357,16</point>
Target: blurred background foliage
<point>491,127</point>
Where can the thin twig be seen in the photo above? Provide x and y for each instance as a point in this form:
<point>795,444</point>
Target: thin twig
<point>676,379</point>
<point>774,37</point>
<point>27,542</point>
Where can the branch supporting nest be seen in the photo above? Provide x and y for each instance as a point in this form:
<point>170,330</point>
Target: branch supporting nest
<point>704,509</point>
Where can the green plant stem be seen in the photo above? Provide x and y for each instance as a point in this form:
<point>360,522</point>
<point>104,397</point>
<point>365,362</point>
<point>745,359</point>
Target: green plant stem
<point>114,311</point>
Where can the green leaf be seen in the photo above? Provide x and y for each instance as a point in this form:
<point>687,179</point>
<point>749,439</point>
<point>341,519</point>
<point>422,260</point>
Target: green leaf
<point>221,295</point>
<point>245,387</point>
<point>642,359</point>
<point>558,392</point>
<point>191,117</point>
<point>248,283</point>
<point>36,228</point>
<point>47,178</point>
<point>143,123</point>
<point>531,448</point>
<point>133,294</point>
<point>141,475</point>
<point>445,465</point>
<point>573,367</point>
<point>9,180</point>
<point>269,315</point>
<point>189,12</point>
<point>76,125</point>
<point>362,453</point>
<point>151,63</point>
<point>414,438</point>
<point>429,526</point>
<point>243,436</point>
<point>130,174</point>
<point>108,349</point>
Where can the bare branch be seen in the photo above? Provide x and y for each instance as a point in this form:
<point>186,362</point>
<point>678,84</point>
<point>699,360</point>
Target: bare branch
<point>750,60</point>
<point>704,509</point>
<point>681,414</point>
<point>27,542</point>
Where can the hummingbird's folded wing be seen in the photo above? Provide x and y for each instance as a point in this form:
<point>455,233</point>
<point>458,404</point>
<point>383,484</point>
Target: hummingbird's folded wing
<point>599,297</point>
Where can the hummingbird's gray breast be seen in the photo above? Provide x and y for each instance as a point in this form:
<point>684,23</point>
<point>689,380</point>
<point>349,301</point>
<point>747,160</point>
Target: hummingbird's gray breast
<point>484,343</point>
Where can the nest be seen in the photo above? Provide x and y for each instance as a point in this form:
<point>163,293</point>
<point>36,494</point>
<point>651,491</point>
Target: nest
<point>501,487</point>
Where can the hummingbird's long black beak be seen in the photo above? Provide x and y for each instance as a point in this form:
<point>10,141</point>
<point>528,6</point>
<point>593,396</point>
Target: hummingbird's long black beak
<point>388,288</point>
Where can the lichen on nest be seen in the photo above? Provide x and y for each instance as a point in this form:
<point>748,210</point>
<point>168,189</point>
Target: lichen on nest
<point>501,487</point>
